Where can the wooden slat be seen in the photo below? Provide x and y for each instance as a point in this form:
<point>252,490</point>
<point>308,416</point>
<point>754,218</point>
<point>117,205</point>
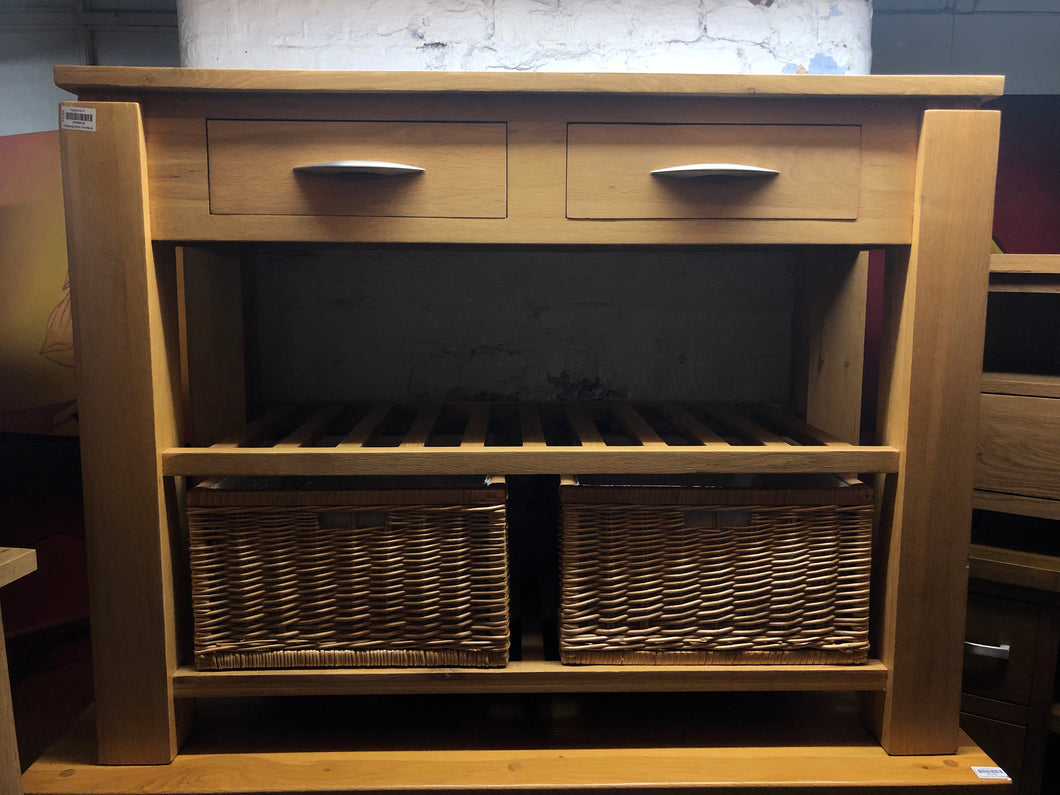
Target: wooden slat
<point>637,426</point>
<point>537,676</point>
<point>365,427</point>
<point>261,428</point>
<point>1025,263</point>
<point>528,460</point>
<point>744,425</point>
<point>477,425</point>
<point>420,432</point>
<point>310,430</point>
<point>583,426</point>
<point>680,416</point>
<point>795,426</point>
<point>530,425</point>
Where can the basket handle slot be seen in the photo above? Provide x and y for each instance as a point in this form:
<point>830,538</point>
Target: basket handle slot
<point>333,520</point>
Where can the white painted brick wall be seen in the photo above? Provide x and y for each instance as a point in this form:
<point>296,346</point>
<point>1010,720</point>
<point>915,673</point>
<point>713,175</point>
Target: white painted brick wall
<point>742,36</point>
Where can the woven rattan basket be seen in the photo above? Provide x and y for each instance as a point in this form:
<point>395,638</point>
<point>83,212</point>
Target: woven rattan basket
<point>715,574</point>
<point>287,573</point>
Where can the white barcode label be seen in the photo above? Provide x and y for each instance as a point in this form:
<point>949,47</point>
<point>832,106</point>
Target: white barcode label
<point>989,772</point>
<point>78,119</point>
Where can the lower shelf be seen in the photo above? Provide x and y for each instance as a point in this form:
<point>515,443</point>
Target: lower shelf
<point>788,742</point>
<point>530,677</point>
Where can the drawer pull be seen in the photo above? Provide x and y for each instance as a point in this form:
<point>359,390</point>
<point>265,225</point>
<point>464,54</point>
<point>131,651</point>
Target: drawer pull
<point>982,650</point>
<point>354,167</point>
<point>699,170</point>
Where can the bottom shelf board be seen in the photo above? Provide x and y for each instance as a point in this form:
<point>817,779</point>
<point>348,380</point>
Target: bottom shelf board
<point>795,742</point>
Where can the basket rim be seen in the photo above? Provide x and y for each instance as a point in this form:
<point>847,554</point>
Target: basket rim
<point>634,496</point>
<point>227,492</point>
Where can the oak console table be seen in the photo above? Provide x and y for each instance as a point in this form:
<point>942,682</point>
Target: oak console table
<point>174,178</point>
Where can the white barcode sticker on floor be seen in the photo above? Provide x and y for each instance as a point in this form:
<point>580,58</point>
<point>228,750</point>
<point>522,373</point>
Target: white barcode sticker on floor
<point>989,772</point>
<point>77,119</point>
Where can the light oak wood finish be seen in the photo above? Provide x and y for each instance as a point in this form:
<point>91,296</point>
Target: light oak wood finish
<point>532,677</point>
<point>125,329</point>
<point>79,80</point>
<point>1047,386</point>
<point>839,755</point>
<point>1037,284</point>
<point>1016,503</point>
<point>537,123</point>
<point>1025,273</point>
<point>1025,263</point>
<point>755,449</point>
<point>14,565</point>
<point>935,305</point>
<point>213,373</point>
<point>833,290</point>
<point>594,457</point>
<point>1013,567</point>
<point>609,171</point>
<point>1018,449</point>
<point>925,192</point>
<point>252,168</point>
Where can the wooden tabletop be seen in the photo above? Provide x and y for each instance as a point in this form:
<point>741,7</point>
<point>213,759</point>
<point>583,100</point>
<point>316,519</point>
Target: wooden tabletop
<point>142,78</point>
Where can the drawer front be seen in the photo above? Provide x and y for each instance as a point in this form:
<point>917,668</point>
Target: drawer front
<point>609,171</point>
<point>993,621</point>
<point>251,165</point>
<point>1018,448</point>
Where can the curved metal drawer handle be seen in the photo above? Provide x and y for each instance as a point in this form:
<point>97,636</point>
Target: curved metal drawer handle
<point>982,650</point>
<point>334,168</point>
<point>698,170</point>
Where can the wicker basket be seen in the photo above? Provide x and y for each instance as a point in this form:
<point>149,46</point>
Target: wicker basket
<point>715,574</point>
<point>287,573</point>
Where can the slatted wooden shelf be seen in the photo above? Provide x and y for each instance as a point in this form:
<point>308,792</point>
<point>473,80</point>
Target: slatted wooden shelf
<point>530,677</point>
<point>519,438</point>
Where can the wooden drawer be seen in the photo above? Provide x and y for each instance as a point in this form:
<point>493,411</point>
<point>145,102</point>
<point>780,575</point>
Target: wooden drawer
<point>251,166</point>
<point>1018,450</point>
<point>609,171</point>
<point>993,621</point>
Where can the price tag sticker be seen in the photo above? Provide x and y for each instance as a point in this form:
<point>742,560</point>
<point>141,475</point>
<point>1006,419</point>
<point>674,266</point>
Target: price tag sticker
<point>71,118</point>
<point>989,772</point>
